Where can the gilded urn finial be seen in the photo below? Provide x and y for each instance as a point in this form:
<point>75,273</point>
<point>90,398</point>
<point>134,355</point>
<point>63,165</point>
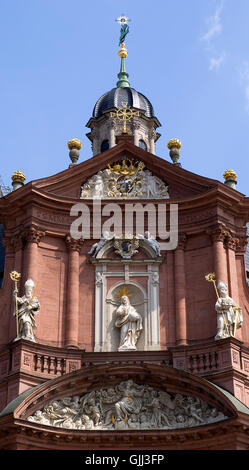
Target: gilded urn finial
<point>230,178</point>
<point>74,146</point>
<point>18,179</point>
<point>174,146</point>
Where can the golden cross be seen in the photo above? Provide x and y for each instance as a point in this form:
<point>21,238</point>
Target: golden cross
<point>124,114</point>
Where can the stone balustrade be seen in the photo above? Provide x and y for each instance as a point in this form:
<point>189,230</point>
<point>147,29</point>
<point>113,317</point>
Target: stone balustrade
<point>24,364</point>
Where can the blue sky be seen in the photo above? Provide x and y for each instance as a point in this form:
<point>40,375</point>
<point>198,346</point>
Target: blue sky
<point>189,57</point>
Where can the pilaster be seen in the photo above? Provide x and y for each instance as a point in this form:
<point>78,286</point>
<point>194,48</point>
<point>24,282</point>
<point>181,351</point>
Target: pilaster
<point>72,319</point>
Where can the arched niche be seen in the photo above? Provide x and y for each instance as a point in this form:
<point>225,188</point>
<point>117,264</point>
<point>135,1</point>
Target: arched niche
<point>112,276</point>
<point>138,299</point>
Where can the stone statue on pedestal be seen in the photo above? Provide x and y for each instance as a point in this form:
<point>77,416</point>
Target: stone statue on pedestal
<point>229,315</point>
<point>130,323</point>
<point>27,307</point>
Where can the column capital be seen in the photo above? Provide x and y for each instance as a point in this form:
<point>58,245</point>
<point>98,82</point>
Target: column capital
<point>232,242</point>
<point>218,233</point>
<point>241,244</point>
<point>73,244</point>
<point>33,235</point>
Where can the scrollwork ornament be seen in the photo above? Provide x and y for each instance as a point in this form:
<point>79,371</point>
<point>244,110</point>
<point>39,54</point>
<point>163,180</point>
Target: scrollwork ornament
<point>127,246</point>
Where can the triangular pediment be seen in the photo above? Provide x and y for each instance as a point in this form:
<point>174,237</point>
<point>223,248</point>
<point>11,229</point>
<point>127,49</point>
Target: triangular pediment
<point>181,183</point>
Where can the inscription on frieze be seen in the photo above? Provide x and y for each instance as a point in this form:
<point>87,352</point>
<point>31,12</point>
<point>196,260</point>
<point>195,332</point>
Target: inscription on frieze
<point>53,217</point>
<point>189,219</point>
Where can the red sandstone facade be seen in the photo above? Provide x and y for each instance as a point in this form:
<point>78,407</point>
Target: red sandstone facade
<point>212,238</point>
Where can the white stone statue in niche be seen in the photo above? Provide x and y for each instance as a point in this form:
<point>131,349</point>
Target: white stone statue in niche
<point>97,246</point>
<point>229,315</point>
<point>130,323</point>
<point>151,241</point>
<point>27,307</point>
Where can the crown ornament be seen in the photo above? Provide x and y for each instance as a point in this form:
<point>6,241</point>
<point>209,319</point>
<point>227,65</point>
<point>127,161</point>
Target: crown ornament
<point>230,178</point>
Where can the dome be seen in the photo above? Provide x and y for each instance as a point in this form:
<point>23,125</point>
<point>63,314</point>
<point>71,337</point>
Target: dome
<point>114,98</point>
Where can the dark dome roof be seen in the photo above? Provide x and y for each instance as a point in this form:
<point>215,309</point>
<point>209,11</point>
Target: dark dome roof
<point>114,98</point>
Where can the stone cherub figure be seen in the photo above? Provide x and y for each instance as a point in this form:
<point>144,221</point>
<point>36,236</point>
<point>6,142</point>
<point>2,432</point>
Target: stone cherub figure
<point>96,247</point>
<point>27,307</point>
<point>229,315</point>
<point>151,241</point>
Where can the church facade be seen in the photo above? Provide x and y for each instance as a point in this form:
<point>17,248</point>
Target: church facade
<point>124,300</point>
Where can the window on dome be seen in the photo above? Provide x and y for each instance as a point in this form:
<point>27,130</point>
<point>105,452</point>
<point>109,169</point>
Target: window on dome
<point>2,256</point>
<point>142,145</point>
<point>104,145</point>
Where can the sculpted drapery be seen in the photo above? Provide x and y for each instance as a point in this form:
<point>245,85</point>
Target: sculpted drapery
<point>130,323</point>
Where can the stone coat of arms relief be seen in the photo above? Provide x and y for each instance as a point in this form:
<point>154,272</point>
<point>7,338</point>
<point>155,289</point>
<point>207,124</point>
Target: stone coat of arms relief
<point>125,179</point>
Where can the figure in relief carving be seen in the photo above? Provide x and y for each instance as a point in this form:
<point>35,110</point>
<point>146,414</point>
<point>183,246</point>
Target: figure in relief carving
<point>229,315</point>
<point>98,187</point>
<point>27,308</point>
<point>131,400</point>
<point>97,246</point>
<point>91,409</point>
<point>130,323</point>
<point>155,186</point>
<point>127,406</point>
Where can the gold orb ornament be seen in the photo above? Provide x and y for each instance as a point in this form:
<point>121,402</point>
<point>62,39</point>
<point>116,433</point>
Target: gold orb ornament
<point>230,175</point>
<point>18,176</point>
<point>123,53</point>
<point>74,144</point>
<point>174,143</point>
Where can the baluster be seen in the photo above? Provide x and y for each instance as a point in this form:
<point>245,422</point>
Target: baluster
<point>217,358</point>
<point>52,365</point>
<point>194,364</point>
<point>59,366</point>
<point>198,362</point>
<point>46,364</point>
<point>201,362</point>
<point>38,364</point>
<point>191,368</point>
<point>211,360</point>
